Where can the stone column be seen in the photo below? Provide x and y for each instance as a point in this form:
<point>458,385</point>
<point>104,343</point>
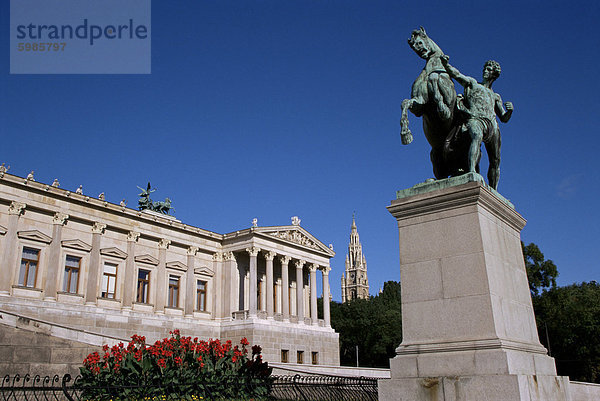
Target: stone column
<point>91,293</point>
<point>285,288</point>
<point>9,269</point>
<point>190,282</point>
<point>53,270</point>
<point>300,291</point>
<point>313,294</point>
<point>161,276</point>
<point>270,306</point>
<point>130,279</point>
<point>252,292</point>
<point>219,286</point>
<point>326,310</point>
<point>231,293</point>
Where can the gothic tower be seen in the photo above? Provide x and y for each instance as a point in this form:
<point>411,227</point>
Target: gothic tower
<point>355,283</point>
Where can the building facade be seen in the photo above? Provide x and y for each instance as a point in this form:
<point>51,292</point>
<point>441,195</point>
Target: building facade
<point>355,283</point>
<point>89,264</point>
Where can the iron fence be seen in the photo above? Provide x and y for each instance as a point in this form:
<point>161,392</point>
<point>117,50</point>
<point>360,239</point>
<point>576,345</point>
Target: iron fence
<point>284,388</point>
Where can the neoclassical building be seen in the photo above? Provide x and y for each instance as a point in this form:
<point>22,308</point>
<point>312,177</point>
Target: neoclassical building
<point>85,263</point>
<point>355,283</point>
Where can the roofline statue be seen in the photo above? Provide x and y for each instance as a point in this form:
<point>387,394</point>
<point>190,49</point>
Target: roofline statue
<point>146,203</point>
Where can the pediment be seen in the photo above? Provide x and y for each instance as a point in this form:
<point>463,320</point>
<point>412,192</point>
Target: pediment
<point>76,244</point>
<point>177,265</point>
<point>204,271</point>
<point>35,235</point>
<point>3,230</point>
<point>151,260</point>
<point>297,235</point>
<point>114,252</point>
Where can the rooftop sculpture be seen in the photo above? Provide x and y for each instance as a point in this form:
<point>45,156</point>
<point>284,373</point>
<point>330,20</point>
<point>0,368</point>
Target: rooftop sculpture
<point>455,125</point>
<point>145,203</point>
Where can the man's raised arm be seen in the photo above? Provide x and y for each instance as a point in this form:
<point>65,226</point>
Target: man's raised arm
<point>454,73</point>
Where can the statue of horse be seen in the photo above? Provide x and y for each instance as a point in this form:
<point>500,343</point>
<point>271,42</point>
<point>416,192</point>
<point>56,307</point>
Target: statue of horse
<point>433,97</point>
<point>162,207</point>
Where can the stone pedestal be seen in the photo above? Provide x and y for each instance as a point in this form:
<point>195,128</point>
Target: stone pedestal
<point>468,326</point>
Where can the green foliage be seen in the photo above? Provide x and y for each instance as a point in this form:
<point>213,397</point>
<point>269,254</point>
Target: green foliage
<point>540,273</point>
<point>571,316</point>
<point>178,366</point>
<point>374,324</point>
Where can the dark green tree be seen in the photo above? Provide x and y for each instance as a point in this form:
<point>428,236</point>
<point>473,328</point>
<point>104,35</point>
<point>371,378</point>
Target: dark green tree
<point>374,325</point>
<point>541,273</point>
<point>571,318</point>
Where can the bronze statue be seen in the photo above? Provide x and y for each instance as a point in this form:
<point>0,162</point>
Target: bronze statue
<point>455,126</point>
<point>145,202</point>
<point>479,107</point>
<point>433,97</point>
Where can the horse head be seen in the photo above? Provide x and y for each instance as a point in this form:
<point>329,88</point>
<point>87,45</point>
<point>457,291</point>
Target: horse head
<point>422,45</point>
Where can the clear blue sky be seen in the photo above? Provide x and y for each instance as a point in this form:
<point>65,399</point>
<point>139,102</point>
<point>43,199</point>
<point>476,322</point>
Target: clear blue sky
<point>271,109</point>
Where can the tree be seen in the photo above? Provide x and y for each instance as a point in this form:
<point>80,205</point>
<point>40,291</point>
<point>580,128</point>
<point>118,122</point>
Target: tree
<point>540,273</point>
<point>374,325</point>
<point>571,318</point>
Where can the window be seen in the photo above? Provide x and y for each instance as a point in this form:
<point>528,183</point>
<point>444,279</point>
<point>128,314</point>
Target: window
<point>315,358</point>
<point>143,286</point>
<point>109,280</point>
<point>29,265</point>
<point>300,357</point>
<point>201,295</point>
<point>173,291</point>
<point>72,266</point>
<point>284,355</point>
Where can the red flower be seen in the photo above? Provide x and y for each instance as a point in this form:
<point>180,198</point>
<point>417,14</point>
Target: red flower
<point>244,341</point>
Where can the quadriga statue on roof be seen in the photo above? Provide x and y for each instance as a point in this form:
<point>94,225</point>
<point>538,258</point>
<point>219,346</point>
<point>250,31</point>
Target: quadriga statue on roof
<point>455,126</point>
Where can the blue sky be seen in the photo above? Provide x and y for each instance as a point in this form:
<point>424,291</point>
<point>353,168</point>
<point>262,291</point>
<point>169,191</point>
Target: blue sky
<point>271,109</point>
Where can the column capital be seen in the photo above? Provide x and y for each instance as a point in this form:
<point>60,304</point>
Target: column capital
<point>16,208</point>
<point>98,228</point>
<point>60,218</point>
<point>299,264</point>
<point>313,267</point>
<point>133,236</point>
<point>253,251</point>
<point>227,256</point>
<point>164,243</point>
<point>270,255</point>
<point>325,270</point>
<point>285,259</point>
<point>192,250</point>
<point>218,257</point>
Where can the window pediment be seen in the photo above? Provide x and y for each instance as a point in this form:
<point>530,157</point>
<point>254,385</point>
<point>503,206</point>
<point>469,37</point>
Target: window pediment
<point>176,265</point>
<point>149,259</point>
<point>35,235</point>
<point>3,230</point>
<point>76,244</point>
<point>114,252</point>
<point>204,271</point>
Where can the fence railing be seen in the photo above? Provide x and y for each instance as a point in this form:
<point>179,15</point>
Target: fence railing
<point>289,388</point>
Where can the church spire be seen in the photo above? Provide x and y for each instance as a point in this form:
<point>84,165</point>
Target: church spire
<point>355,283</point>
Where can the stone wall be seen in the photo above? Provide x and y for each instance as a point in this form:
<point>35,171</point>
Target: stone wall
<point>584,391</point>
<point>28,352</point>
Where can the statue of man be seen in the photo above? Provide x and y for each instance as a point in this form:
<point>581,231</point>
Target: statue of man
<point>480,106</point>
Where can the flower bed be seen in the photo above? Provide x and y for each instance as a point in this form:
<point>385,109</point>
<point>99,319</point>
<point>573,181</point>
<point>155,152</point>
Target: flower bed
<point>175,368</point>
